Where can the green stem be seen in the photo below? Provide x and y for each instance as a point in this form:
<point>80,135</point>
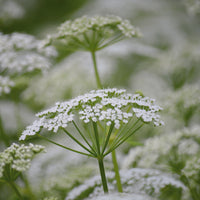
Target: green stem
<point>92,149</point>
<point>108,138</point>
<point>77,141</point>
<point>60,145</point>
<point>99,85</point>
<point>14,187</point>
<point>96,138</point>
<point>3,135</point>
<point>115,164</point>
<point>103,176</point>
<point>116,169</point>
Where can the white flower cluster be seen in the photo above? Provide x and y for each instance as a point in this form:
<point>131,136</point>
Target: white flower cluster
<point>50,198</point>
<point>10,9</point>
<point>159,147</point>
<point>147,182</point>
<point>22,53</point>
<point>106,105</point>
<point>18,157</point>
<point>188,97</point>
<point>192,168</point>
<point>105,27</point>
<point>121,196</point>
<point>5,85</point>
<point>193,6</point>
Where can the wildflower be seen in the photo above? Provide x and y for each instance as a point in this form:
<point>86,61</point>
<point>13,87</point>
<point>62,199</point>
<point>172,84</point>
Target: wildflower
<point>95,33</point>
<point>10,10</point>
<point>148,182</point>
<point>110,106</point>
<point>113,113</point>
<point>158,149</point>
<point>5,85</point>
<point>18,157</point>
<point>22,53</point>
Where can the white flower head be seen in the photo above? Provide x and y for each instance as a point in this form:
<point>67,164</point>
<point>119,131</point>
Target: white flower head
<point>5,85</point>
<point>109,106</point>
<point>18,157</point>
<point>22,53</point>
<point>86,31</point>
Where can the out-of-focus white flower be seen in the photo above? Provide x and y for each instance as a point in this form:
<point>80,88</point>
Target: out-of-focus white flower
<point>68,78</point>
<point>193,6</point>
<point>135,181</point>
<point>158,147</point>
<point>5,85</point>
<point>18,157</point>
<point>10,9</point>
<point>22,53</point>
<point>93,33</point>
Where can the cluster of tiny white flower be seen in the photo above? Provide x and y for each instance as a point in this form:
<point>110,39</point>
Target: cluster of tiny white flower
<point>192,168</point>
<point>10,9</point>
<point>122,196</point>
<point>105,27</point>
<point>160,146</point>
<point>22,53</point>
<point>193,6</point>
<point>186,98</point>
<point>148,182</point>
<point>18,157</point>
<point>5,85</point>
<point>107,105</point>
<point>50,198</point>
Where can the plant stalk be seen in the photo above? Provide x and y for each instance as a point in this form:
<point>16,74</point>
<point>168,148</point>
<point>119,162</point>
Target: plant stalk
<point>116,169</point>
<point>3,135</point>
<point>103,176</point>
<point>14,187</point>
<point>114,159</point>
<point>99,85</point>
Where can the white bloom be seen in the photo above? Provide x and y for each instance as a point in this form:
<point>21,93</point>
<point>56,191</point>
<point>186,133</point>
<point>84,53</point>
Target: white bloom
<point>106,105</point>
<point>79,32</point>
<point>5,85</point>
<point>18,157</point>
<point>159,147</point>
<point>147,182</point>
<point>22,53</point>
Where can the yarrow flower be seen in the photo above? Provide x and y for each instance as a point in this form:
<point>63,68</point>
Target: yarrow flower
<point>18,157</point>
<point>22,53</point>
<point>5,85</point>
<point>112,106</point>
<point>93,32</point>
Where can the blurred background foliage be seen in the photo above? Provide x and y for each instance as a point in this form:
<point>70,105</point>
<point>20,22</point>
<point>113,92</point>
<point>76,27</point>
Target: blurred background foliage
<point>164,64</point>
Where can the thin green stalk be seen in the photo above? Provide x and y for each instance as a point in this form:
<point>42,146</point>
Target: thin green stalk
<point>99,85</point>
<point>118,143</point>
<point>108,137</point>
<point>121,135</point>
<point>89,131</point>
<point>103,176</point>
<point>97,138</point>
<point>14,187</point>
<point>84,137</point>
<point>3,135</point>
<point>60,145</point>
<point>113,41</point>
<point>116,169</point>
<point>78,142</point>
<point>28,187</point>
